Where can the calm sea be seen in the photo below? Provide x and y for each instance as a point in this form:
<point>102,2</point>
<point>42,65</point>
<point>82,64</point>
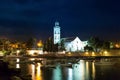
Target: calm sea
<point>107,69</point>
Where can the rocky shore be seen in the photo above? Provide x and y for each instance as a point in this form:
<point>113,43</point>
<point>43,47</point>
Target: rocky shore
<point>8,72</point>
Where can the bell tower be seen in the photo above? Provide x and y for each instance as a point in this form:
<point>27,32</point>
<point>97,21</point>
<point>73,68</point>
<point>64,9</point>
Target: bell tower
<point>56,33</point>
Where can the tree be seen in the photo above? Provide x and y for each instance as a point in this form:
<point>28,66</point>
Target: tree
<point>98,44</point>
<point>55,47</point>
<point>62,46</point>
<point>88,48</point>
<point>50,46</point>
<point>94,42</point>
<point>31,43</point>
<point>106,45</point>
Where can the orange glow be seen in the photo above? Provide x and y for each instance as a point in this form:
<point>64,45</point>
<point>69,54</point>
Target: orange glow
<point>33,72</point>
<point>38,73</point>
<point>40,44</point>
<point>87,66</point>
<point>69,52</point>
<point>86,53</point>
<point>93,53</point>
<point>105,52</point>
<point>117,46</point>
<point>14,45</point>
<point>93,70</point>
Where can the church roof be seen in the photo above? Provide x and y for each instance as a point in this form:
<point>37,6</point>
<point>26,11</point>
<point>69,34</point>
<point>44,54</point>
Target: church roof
<point>68,39</point>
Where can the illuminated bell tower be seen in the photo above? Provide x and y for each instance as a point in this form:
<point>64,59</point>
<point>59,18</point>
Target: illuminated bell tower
<point>56,33</point>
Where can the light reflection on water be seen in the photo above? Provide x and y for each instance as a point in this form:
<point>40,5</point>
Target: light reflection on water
<point>32,68</point>
<point>78,72</point>
<point>57,73</point>
<point>35,71</point>
<point>17,65</point>
<point>38,72</point>
<point>70,74</point>
<point>93,70</point>
<point>85,70</point>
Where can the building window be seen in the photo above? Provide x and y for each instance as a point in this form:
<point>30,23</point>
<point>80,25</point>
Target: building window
<point>77,42</point>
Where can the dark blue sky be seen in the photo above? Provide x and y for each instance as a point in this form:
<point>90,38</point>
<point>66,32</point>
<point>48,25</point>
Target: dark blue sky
<point>21,19</point>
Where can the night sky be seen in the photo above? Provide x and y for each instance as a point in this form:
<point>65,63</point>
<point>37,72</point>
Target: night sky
<point>22,19</point>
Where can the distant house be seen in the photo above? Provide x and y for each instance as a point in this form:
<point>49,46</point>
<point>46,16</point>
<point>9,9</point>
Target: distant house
<point>71,44</point>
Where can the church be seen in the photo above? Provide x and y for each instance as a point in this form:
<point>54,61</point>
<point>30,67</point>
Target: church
<point>71,44</point>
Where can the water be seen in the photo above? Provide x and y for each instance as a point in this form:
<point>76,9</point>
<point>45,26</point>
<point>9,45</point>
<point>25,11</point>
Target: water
<point>83,70</point>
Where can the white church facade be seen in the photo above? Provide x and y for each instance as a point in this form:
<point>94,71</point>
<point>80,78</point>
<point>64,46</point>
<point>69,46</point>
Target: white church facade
<point>71,44</point>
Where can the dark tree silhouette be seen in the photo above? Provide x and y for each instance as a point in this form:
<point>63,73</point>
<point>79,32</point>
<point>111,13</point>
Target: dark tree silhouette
<point>50,46</point>
<point>31,43</point>
<point>98,44</point>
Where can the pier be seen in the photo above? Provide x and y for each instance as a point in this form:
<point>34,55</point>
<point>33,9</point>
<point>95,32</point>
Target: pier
<point>62,56</point>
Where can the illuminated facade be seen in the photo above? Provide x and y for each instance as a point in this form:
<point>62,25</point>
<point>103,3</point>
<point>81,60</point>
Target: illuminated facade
<point>74,44</point>
<point>71,44</point>
<point>56,33</point>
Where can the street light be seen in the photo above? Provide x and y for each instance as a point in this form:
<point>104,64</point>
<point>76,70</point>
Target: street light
<point>93,53</point>
<point>105,53</point>
<point>39,44</point>
<point>86,53</point>
<point>18,51</point>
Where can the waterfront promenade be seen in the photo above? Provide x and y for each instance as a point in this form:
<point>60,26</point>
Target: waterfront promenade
<point>58,56</point>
